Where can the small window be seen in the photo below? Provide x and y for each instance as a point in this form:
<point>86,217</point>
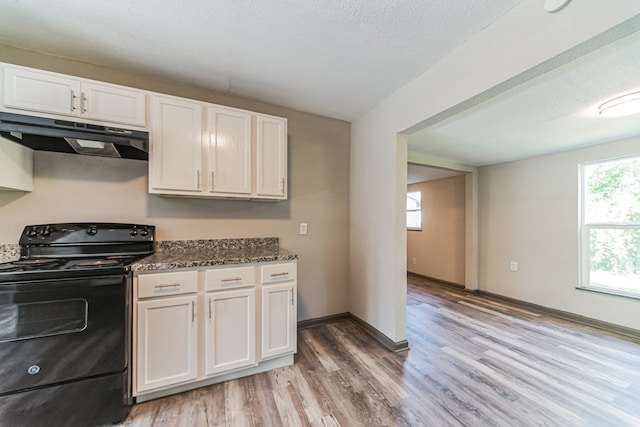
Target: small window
<point>610,226</point>
<point>414,210</point>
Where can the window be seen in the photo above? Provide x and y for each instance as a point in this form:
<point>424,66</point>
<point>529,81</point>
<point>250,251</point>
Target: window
<point>414,210</point>
<point>610,226</point>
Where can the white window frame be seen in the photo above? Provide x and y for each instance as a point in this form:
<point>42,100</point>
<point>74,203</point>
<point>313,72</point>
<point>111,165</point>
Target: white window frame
<point>415,210</point>
<point>584,251</point>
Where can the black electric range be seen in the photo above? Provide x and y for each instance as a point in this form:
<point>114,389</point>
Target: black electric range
<point>65,323</point>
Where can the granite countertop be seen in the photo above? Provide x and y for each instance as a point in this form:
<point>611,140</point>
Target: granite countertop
<point>174,254</point>
<point>9,252</point>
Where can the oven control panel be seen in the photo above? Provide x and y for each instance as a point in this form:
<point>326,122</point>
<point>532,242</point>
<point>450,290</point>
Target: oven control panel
<point>86,233</point>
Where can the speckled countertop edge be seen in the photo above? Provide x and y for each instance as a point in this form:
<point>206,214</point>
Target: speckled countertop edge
<point>9,252</point>
<point>202,253</point>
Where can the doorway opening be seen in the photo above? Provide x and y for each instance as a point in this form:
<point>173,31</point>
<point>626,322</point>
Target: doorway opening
<point>436,223</point>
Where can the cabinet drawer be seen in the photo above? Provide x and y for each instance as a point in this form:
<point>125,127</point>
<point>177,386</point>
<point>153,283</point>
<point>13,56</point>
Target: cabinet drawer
<point>278,272</point>
<point>160,284</point>
<point>226,278</point>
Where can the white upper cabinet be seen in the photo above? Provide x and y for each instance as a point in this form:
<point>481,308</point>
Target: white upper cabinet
<point>206,150</point>
<point>113,104</point>
<point>229,151</point>
<point>175,159</point>
<point>42,91</point>
<point>271,164</point>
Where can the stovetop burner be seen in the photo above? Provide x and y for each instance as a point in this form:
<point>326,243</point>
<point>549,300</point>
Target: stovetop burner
<point>36,261</point>
<point>98,262</point>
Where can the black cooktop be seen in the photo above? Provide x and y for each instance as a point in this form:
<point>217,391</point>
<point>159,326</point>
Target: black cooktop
<point>68,250</point>
<point>56,268</point>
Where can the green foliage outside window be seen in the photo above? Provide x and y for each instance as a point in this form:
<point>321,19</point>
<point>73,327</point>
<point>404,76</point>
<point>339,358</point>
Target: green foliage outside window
<point>612,214</point>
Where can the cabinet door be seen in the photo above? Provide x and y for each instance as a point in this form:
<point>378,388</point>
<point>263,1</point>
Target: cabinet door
<point>278,319</point>
<point>41,91</point>
<point>113,104</point>
<point>166,342</point>
<point>271,162</point>
<point>176,145</point>
<point>230,330</point>
<point>229,151</point>
<point>16,166</point>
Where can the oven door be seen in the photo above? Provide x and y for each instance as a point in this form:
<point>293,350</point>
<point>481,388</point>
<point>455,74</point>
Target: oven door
<point>61,330</point>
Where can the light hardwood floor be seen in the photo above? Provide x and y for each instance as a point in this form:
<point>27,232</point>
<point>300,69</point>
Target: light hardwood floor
<point>472,362</point>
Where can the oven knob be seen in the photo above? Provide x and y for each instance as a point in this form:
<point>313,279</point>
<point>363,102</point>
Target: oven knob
<point>45,232</point>
<point>144,232</point>
<point>133,232</point>
<point>92,230</point>
<point>32,232</point>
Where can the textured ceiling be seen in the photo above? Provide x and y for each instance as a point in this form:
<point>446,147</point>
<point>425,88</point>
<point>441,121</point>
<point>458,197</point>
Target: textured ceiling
<point>335,58</point>
<point>552,112</point>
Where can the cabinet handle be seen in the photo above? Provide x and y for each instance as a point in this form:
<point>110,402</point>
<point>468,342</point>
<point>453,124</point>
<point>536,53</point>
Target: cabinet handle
<point>292,297</point>
<point>284,273</point>
<point>232,279</point>
<point>83,103</point>
<point>198,178</point>
<point>209,308</point>
<point>73,101</point>
<point>168,285</point>
<point>193,312</point>
<point>282,186</point>
<point>213,175</point>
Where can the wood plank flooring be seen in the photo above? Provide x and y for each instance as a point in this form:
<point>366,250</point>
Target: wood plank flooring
<point>472,362</point>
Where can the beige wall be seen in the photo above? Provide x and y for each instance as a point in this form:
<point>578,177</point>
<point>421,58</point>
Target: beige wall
<point>82,188</point>
<point>439,248</point>
<point>529,214</point>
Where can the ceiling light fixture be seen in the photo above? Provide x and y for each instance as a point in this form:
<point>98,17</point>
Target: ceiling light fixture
<point>554,5</point>
<point>624,105</point>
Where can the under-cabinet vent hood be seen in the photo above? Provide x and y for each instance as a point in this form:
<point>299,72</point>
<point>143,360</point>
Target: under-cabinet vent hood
<point>44,134</point>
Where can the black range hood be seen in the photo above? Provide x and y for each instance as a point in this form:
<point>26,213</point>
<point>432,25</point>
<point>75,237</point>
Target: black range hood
<point>44,134</point>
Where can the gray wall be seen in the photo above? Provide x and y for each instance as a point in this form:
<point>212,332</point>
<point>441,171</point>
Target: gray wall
<point>82,188</point>
<point>529,214</point>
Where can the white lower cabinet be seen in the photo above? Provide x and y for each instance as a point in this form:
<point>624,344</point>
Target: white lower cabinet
<point>230,330</point>
<point>167,342</point>
<point>278,320</point>
<point>196,325</point>
<point>166,332</point>
<point>279,309</point>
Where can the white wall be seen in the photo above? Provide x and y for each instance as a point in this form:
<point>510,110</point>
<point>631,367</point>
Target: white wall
<point>532,218</point>
<point>522,39</point>
<point>82,188</point>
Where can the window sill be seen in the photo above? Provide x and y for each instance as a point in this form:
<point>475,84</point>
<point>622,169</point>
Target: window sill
<point>607,291</point>
<point>414,229</point>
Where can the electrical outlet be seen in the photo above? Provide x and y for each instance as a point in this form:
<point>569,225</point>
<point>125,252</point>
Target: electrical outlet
<point>413,261</point>
<point>303,228</point>
<point>513,266</point>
